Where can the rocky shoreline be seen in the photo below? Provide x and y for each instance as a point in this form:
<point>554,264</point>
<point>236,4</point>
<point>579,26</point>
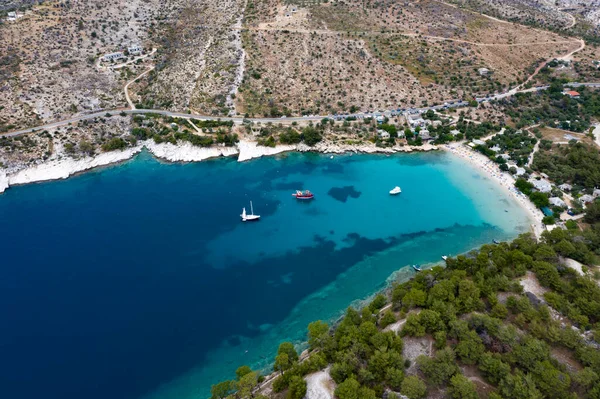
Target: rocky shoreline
<point>63,167</point>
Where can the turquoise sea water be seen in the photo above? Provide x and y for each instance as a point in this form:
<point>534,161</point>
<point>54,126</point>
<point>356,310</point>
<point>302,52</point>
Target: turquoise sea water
<point>140,281</point>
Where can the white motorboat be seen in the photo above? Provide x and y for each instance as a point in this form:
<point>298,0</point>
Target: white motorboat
<point>249,217</point>
<point>444,257</point>
<point>395,190</point>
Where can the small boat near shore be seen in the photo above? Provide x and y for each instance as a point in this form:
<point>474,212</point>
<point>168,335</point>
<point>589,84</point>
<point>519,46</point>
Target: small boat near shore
<point>444,258</point>
<point>417,268</point>
<point>495,241</point>
<point>251,217</point>
<point>396,190</point>
<point>303,195</point>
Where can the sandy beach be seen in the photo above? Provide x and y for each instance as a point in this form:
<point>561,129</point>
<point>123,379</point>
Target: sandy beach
<point>504,179</point>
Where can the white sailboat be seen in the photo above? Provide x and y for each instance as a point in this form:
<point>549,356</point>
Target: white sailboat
<point>251,217</point>
<point>395,190</point>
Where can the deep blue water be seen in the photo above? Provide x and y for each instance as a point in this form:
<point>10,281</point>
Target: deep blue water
<point>140,280</point>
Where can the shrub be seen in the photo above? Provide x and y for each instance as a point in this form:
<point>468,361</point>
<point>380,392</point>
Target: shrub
<point>413,387</point>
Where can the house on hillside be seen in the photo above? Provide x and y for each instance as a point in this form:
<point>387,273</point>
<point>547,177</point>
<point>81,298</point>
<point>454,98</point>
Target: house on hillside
<point>483,71</point>
<point>455,132</point>
<point>572,93</point>
<point>135,50</point>
<point>113,56</point>
<point>596,193</point>
<point>383,134</point>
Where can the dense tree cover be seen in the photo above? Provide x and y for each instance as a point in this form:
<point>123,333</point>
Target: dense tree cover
<point>460,310</point>
<point>518,144</point>
<point>577,164</point>
<point>554,109</point>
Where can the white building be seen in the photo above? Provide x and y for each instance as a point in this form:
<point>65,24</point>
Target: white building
<point>565,187</point>
<point>541,185</point>
<point>557,202</point>
<point>135,50</point>
<point>596,193</point>
<point>113,56</point>
<point>520,171</point>
<point>455,132</point>
<point>478,142</point>
<point>383,134</point>
<point>483,71</point>
<point>416,120</point>
<point>586,199</point>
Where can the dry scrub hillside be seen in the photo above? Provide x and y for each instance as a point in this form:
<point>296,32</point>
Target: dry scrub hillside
<point>47,62</point>
<point>381,54</point>
<point>539,12</point>
<point>200,60</point>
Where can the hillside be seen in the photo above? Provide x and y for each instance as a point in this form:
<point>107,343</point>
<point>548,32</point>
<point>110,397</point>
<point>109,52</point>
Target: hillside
<point>515,320</point>
<point>334,56</point>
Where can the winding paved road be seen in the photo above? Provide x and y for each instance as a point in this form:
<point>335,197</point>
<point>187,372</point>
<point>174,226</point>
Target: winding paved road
<point>240,120</point>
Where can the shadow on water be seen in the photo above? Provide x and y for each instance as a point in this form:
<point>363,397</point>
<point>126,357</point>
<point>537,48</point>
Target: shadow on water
<point>343,193</point>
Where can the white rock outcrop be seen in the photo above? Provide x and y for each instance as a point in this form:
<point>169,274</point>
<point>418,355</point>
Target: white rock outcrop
<point>3,182</point>
<point>250,150</point>
<point>186,152</point>
<point>63,168</point>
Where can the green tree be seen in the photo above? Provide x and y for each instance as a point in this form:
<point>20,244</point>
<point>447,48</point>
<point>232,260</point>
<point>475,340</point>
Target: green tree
<point>413,387</point>
<point>519,386</point>
<point>462,388</point>
<point>311,136</point>
<point>282,362</point>
<point>439,369</point>
<point>494,369</point>
<point>242,371</point>
<point>289,350</point>
<point>349,389</point>
<point>539,199</point>
<point>377,303</point>
<point>223,389</point>
<point>552,382</point>
<point>317,332</point>
<point>470,348</point>
<point>297,388</point>
<point>247,384</point>
<point>414,298</point>
<point>387,319</point>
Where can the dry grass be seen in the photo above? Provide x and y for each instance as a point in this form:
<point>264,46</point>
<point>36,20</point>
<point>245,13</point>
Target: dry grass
<point>381,55</point>
<point>47,65</point>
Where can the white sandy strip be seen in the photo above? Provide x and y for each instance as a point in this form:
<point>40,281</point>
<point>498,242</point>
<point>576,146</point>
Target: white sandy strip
<point>319,385</point>
<point>505,180</point>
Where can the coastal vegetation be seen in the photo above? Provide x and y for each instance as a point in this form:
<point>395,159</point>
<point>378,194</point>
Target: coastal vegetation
<point>577,164</point>
<point>508,320</point>
<point>553,108</point>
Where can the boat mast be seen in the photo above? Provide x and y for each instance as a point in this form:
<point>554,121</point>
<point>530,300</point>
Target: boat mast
<point>251,209</point>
